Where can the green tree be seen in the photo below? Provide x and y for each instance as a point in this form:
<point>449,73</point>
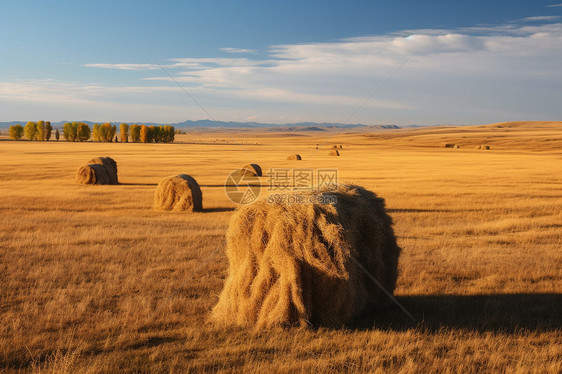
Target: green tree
<point>155,130</point>
<point>48,130</point>
<point>40,134</point>
<point>16,132</point>
<point>83,132</point>
<point>167,134</point>
<point>135,133</point>
<point>70,131</point>
<point>30,130</point>
<point>57,134</point>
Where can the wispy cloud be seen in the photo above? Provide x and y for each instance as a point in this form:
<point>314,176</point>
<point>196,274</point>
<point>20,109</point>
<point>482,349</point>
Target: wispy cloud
<point>554,5</point>
<point>541,18</point>
<point>237,50</point>
<point>124,66</point>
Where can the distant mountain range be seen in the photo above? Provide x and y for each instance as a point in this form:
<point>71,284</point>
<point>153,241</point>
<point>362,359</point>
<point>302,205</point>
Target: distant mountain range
<point>205,123</point>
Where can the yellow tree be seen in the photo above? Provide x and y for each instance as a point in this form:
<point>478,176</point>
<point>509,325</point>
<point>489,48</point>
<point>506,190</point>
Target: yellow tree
<point>124,132</point>
<point>144,134</point>
<point>16,132</point>
<point>30,130</point>
<point>40,134</point>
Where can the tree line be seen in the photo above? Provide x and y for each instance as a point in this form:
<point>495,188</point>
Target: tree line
<point>105,132</point>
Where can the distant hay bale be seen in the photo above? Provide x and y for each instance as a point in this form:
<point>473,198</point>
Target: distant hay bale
<point>341,146</point>
<point>295,156</point>
<point>297,264</point>
<point>456,146</point>
<point>92,174</point>
<point>335,146</point>
<point>333,152</point>
<point>178,193</point>
<point>484,147</point>
<point>447,145</point>
<point>254,168</point>
<point>110,165</point>
<point>243,172</point>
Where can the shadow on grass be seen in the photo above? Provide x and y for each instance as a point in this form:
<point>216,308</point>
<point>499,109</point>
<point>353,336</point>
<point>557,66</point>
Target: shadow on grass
<point>214,210</point>
<point>496,312</point>
<point>138,184</point>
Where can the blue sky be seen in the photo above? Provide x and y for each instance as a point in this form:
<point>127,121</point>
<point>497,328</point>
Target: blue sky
<point>467,62</point>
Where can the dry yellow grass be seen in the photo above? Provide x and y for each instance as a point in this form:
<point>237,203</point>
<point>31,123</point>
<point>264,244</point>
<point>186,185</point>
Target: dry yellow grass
<point>94,280</point>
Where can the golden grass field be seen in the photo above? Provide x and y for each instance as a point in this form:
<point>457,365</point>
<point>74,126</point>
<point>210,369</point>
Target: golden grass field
<point>92,279</point>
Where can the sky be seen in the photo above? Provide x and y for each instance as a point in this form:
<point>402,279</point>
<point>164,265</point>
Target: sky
<point>398,62</point>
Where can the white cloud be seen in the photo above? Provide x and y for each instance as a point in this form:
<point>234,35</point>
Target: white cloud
<point>541,18</point>
<point>479,74</point>
<point>124,66</point>
<point>554,5</point>
<point>237,50</point>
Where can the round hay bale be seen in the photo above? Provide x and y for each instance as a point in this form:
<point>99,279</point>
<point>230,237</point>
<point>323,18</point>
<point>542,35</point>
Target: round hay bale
<point>178,193</point>
<point>447,145</point>
<point>297,263</point>
<point>92,174</point>
<point>296,156</point>
<point>334,152</point>
<point>485,147</point>
<point>244,172</point>
<point>110,165</point>
<point>334,146</point>
<point>254,168</point>
<point>456,146</point>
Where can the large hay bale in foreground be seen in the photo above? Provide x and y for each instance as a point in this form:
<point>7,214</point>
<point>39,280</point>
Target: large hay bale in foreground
<point>178,192</point>
<point>296,156</point>
<point>334,152</point>
<point>110,165</point>
<point>92,174</point>
<point>295,263</point>
<point>254,168</point>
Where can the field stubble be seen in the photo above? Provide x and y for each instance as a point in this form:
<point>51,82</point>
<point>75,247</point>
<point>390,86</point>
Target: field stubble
<point>92,279</point>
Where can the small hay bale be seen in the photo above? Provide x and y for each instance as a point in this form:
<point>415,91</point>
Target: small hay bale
<point>334,152</point>
<point>178,193</point>
<point>110,165</point>
<point>297,263</point>
<point>244,172</point>
<point>485,147</point>
<point>456,146</point>
<point>296,156</point>
<point>341,146</point>
<point>447,145</point>
<point>334,146</point>
<point>92,174</point>
<point>254,168</point>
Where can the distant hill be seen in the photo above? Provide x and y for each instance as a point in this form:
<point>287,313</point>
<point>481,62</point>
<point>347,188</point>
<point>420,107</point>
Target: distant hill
<point>206,123</point>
